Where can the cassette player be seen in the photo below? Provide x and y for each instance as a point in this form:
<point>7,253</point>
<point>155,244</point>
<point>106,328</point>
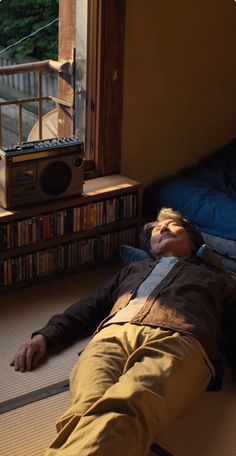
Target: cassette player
<point>35,171</point>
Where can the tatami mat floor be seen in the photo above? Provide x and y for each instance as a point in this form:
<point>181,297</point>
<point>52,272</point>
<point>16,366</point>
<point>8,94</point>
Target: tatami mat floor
<point>28,430</point>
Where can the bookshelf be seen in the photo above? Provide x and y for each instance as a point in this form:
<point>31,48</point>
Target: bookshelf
<point>42,241</point>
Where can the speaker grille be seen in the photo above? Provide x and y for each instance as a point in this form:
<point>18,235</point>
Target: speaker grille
<point>55,178</point>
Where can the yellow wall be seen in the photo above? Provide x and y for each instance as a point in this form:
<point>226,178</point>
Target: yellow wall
<point>179,83</point>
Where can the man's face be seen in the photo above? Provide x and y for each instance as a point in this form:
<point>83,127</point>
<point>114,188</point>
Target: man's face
<point>170,238</point>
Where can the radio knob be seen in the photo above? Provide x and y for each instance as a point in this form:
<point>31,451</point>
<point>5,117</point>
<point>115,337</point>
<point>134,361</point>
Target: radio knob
<point>78,162</point>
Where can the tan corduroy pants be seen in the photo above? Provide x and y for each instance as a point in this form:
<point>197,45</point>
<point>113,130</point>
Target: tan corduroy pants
<point>129,385</point>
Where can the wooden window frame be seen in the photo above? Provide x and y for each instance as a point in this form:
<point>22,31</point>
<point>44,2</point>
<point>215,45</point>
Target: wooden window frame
<point>107,80</point>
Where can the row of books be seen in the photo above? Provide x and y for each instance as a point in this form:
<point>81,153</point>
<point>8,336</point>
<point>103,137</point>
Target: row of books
<point>63,257</point>
<point>70,220</point>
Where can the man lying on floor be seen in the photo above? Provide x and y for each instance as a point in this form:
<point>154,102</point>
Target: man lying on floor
<point>157,347</point>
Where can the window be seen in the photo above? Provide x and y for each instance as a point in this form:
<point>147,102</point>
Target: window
<point>92,33</point>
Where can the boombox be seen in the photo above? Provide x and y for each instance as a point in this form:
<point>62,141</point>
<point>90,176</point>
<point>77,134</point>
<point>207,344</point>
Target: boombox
<point>35,171</point>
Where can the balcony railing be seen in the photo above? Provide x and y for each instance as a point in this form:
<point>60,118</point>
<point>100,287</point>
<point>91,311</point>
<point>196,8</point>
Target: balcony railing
<point>61,68</point>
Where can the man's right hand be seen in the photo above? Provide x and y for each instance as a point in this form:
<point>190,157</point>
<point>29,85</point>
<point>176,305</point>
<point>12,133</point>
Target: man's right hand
<point>29,354</point>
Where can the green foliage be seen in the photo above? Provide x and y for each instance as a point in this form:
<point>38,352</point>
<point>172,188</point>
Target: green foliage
<point>21,18</point>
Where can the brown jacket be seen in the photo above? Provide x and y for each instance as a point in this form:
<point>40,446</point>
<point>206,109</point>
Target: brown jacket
<point>193,298</point>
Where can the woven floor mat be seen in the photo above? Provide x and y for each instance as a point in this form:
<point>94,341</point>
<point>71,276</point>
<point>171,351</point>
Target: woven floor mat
<point>28,431</point>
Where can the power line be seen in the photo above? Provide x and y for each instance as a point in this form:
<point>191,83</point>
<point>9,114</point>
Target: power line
<point>29,36</point>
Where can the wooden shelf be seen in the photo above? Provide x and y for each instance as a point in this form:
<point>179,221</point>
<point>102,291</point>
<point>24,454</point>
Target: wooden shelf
<point>21,265</point>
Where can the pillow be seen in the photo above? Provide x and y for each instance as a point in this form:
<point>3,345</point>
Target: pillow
<point>129,254</point>
<point>213,211</point>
